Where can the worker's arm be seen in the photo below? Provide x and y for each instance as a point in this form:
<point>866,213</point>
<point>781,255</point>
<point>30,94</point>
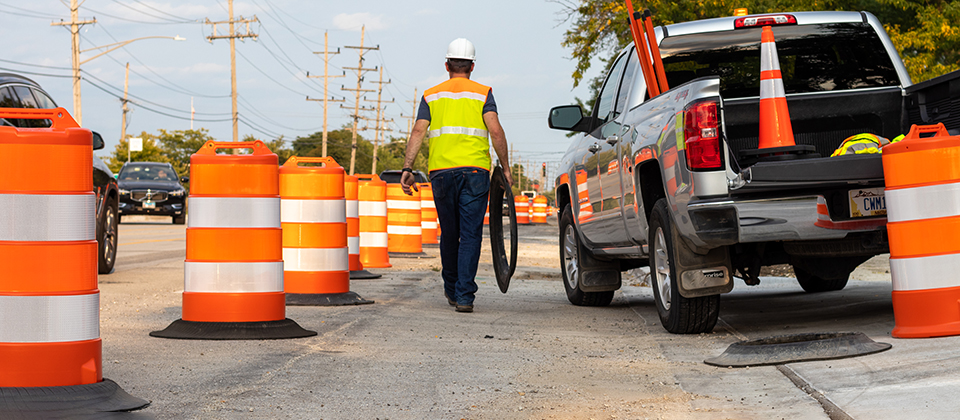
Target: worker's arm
<point>419,131</point>
<point>499,140</point>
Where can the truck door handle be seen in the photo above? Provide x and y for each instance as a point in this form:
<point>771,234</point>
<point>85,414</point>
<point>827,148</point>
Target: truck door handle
<point>613,139</point>
<point>594,148</point>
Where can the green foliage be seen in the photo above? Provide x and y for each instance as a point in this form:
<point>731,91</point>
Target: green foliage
<point>151,153</point>
<point>179,145</point>
<point>339,143</point>
<point>925,32</point>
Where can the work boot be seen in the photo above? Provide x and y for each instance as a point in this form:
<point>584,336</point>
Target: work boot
<point>464,308</point>
<point>449,301</point>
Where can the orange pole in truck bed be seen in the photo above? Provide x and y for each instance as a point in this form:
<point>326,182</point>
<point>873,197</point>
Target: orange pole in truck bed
<point>645,66</point>
<point>655,51</point>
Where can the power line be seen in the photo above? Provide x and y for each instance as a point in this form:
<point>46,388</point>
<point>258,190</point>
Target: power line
<point>36,14</point>
<point>35,73</point>
<point>150,102</point>
<point>35,65</point>
<point>153,110</point>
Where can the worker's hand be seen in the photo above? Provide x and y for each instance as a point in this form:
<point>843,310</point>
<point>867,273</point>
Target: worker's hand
<point>509,178</point>
<point>407,182</point>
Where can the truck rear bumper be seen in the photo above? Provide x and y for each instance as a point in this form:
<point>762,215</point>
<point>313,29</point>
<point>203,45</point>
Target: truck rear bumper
<point>726,222</point>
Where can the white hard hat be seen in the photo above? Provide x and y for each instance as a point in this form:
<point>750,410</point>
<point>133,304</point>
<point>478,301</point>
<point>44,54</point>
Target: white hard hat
<point>461,49</point>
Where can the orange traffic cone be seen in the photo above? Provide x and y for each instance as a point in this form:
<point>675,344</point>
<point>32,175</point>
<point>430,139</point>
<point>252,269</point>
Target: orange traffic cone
<point>775,128</point>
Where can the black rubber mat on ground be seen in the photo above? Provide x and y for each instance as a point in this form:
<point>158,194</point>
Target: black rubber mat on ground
<point>325,299</point>
<point>364,275</point>
<point>103,399</point>
<point>807,347</point>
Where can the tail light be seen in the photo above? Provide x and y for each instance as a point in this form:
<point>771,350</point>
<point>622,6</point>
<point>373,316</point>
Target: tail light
<point>768,20</point>
<point>701,132</point>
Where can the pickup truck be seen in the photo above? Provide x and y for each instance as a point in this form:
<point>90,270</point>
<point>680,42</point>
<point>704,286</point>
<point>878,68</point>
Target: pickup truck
<point>677,183</point>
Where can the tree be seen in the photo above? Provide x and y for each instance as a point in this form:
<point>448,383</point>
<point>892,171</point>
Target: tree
<point>151,152</point>
<point>924,31</point>
<point>179,145</point>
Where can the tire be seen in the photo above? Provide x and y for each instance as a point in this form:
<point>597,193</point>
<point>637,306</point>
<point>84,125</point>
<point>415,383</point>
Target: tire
<point>813,284</point>
<point>179,220</point>
<point>107,250</point>
<point>571,253</point>
<point>679,315</point>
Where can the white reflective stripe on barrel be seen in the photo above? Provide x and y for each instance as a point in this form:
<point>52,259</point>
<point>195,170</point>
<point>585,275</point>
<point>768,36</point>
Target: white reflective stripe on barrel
<point>427,204</point>
<point>48,217</point>
<point>353,210</point>
<point>234,212</point>
<point>404,230</point>
<point>312,211</point>
<point>522,214</point>
<point>403,205</point>
<point>428,225</point>
<point>373,239</point>
<point>315,259</point>
<point>47,319</point>
<point>232,277</point>
<point>373,208</point>
<point>353,244</point>
<point>923,273</point>
<point>919,203</point>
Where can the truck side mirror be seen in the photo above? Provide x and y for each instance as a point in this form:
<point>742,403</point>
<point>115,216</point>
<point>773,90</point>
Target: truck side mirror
<point>567,117</point>
<point>97,141</point>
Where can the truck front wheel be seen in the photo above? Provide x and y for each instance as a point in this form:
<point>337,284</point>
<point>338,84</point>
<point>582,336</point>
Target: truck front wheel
<point>679,315</point>
<point>571,257</point>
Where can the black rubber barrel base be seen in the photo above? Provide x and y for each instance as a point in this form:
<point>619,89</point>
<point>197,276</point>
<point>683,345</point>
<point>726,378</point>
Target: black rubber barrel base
<point>325,299</point>
<point>431,245</point>
<point>264,330</point>
<point>410,255</point>
<point>364,275</point>
<point>103,399</point>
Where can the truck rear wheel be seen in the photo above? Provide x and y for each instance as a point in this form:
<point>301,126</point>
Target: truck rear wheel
<point>571,253</point>
<point>679,315</point>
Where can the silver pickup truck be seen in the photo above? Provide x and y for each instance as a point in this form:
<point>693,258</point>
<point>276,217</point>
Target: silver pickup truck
<point>677,182</point>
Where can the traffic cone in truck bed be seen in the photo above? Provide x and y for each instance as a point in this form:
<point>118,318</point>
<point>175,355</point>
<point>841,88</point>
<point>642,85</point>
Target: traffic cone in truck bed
<point>775,127</point>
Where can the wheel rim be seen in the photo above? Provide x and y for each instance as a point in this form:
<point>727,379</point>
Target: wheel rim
<point>662,270</point>
<point>110,236</point>
<point>570,264</point>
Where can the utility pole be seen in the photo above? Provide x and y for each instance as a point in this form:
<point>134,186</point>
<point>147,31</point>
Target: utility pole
<point>380,121</point>
<point>233,36</point>
<point>123,120</point>
<point>75,49</point>
<point>326,91</point>
<point>191,112</point>
<point>413,115</point>
<point>360,70</point>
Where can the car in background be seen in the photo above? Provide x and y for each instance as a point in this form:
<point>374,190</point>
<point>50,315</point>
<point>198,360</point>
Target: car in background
<point>20,92</point>
<point>152,188</point>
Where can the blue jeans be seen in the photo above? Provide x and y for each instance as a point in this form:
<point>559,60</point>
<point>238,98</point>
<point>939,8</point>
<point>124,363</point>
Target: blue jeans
<point>461,198</point>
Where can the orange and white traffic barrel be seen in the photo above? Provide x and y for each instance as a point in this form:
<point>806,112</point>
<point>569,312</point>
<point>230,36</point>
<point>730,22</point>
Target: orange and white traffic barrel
<point>373,222</point>
<point>352,191</point>
<point>522,204</point>
<point>404,231</point>
<point>539,209</point>
<point>486,216</point>
<point>233,273</point>
<point>50,347</point>
<point>923,223</point>
<point>583,197</point>
<point>428,215</point>
<point>313,218</point>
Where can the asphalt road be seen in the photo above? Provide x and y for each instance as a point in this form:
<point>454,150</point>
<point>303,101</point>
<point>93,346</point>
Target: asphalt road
<point>524,354</point>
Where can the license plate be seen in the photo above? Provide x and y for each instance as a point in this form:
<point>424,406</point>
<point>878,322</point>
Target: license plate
<point>867,202</point>
<point>149,205</point>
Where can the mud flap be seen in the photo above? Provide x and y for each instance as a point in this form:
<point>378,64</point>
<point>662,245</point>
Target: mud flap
<point>702,275</point>
<point>504,265</point>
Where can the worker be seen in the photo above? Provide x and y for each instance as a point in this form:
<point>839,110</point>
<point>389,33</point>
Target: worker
<point>457,116</point>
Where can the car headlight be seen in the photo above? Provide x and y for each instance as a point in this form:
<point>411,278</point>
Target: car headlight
<point>124,192</point>
<point>177,193</point>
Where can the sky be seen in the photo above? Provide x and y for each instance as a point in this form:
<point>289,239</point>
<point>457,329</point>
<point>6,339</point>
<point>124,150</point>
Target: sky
<point>518,54</point>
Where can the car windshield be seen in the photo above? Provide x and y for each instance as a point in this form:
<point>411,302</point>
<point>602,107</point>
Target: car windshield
<point>813,58</point>
<point>147,173</point>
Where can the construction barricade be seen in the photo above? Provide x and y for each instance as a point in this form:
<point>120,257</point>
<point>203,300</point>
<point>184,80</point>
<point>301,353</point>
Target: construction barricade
<point>404,233</point>
<point>522,203</point>
<point>428,216</point>
<point>233,273</point>
<point>50,347</point>
<point>923,224</point>
<point>313,218</point>
<point>352,191</point>
<point>539,210</point>
<point>373,222</point>
<point>486,216</point>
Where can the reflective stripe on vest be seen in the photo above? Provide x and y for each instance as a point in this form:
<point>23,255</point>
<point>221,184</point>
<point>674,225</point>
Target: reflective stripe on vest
<point>458,135</point>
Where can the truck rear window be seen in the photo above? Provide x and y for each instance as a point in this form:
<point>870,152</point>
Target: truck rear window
<point>813,58</point>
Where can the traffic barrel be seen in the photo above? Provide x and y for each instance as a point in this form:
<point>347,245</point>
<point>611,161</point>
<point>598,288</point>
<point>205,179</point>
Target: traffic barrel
<point>313,218</point>
<point>373,222</point>
<point>539,209</point>
<point>775,127</point>
<point>404,232</point>
<point>523,209</point>
<point>50,346</point>
<point>352,191</point>
<point>233,273</point>
<point>486,216</point>
<point>583,197</point>
<point>923,223</point>
<point>428,216</point>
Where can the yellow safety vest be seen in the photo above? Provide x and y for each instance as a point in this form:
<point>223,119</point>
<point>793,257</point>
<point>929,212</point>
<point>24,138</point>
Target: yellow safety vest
<point>458,136</point>
<point>864,143</point>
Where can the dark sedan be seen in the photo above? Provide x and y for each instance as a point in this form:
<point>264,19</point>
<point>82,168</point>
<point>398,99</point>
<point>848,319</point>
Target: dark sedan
<point>152,188</point>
